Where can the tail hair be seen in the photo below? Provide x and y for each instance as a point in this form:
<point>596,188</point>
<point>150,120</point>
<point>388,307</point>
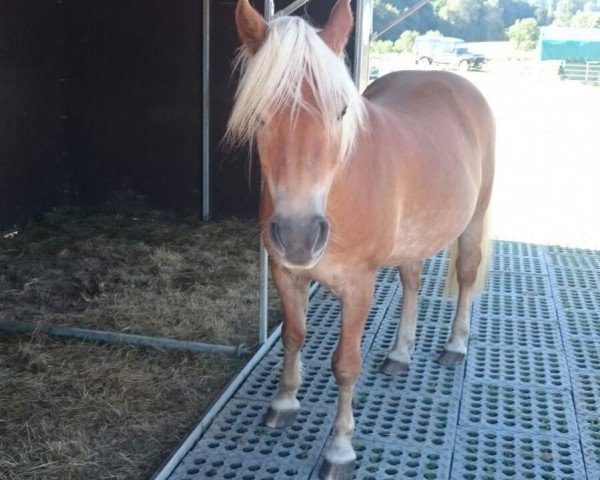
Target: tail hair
<point>451,286</point>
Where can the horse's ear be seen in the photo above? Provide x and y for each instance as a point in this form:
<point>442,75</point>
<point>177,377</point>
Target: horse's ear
<point>251,26</point>
<point>335,33</point>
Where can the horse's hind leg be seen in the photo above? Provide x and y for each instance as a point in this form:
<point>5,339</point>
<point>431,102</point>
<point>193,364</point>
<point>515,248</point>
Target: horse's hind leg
<point>293,291</point>
<point>398,358</point>
<point>467,264</point>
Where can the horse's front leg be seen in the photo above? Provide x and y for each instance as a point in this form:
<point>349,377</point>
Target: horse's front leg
<point>356,300</point>
<point>293,290</point>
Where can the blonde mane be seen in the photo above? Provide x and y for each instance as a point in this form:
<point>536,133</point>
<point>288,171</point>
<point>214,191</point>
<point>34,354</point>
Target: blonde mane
<point>293,53</point>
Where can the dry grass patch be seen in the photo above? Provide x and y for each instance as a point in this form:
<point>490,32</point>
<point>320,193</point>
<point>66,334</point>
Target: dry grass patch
<point>83,411</point>
<point>138,272</point>
<point>71,410</point>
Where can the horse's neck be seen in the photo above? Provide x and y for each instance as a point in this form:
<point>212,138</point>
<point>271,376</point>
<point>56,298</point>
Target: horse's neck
<point>377,170</point>
<point>381,146</point>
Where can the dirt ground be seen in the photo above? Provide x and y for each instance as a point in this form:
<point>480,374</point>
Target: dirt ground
<point>70,410</point>
<point>546,188</point>
<point>74,410</point>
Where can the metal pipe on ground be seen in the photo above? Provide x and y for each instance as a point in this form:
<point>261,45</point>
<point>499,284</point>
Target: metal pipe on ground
<point>121,338</point>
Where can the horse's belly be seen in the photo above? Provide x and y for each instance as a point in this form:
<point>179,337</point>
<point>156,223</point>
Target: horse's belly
<point>421,238</point>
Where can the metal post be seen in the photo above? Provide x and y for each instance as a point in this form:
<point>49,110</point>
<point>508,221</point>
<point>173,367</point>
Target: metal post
<point>263,316</point>
<point>206,110</point>
<point>587,71</point>
<point>269,10</point>
<point>263,323</point>
<point>363,22</point>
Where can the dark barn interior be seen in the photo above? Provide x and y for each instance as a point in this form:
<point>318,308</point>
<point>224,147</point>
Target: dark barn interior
<point>104,96</point>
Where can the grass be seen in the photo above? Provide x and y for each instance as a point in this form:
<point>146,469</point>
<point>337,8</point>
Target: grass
<point>74,410</point>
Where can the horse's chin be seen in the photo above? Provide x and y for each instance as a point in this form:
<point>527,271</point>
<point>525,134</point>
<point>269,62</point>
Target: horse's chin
<point>302,265</point>
<point>298,266</point>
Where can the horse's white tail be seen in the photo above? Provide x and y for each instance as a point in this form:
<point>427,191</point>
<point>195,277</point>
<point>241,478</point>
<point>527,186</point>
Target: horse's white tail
<point>451,287</point>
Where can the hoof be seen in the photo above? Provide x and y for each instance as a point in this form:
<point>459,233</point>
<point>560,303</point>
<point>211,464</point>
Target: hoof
<point>280,418</point>
<point>393,367</point>
<point>451,358</point>
<point>336,471</point>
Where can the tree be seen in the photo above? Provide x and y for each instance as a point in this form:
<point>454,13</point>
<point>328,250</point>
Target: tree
<point>564,11</point>
<point>472,20</point>
<point>513,10</point>
<point>382,46</point>
<point>383,14</point>
<point>584,19</point>
<point>491,24</point>
<point>479,20</point>
<point>386,11</point>
<point>524,33</point>
<point>406,41</point>
<point>457,12</point>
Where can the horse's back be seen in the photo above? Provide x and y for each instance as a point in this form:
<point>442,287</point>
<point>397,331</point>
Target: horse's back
<point>436,129</point>
<point>442,106</point>
<point>414,89</point>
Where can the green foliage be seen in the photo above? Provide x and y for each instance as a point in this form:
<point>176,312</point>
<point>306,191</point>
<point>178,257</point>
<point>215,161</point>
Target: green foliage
<point>576,14</point>
<point>433,33</point>
<point>404,44</point>
<point>512,11</point>
<point>567,9</point>
<point>472,20</point>
<point>563,13</point>
<point>458,12</point>
<point>386,11</point>
<point>583,19</point>
<point>406,41</point>
<point>491,22</point>
<point>524,33</point>
<point>382,46</point>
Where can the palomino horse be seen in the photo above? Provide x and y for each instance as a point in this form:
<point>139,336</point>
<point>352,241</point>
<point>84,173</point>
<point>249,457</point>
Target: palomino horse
<point>354,183</point>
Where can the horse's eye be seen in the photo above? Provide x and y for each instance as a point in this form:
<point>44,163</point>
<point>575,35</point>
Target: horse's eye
<point>342,113</point>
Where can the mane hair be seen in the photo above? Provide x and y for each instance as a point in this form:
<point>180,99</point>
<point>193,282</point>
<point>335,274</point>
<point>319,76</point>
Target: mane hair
<point>272,79</point>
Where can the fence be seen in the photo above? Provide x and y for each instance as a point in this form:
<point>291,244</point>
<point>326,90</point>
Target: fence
<point>588,72</point>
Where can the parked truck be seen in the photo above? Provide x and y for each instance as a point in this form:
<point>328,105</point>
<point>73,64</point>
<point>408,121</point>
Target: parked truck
<point>447,52</point>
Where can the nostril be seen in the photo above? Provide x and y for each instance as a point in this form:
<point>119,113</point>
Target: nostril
<point>275,235</point>
<point>322,233</point>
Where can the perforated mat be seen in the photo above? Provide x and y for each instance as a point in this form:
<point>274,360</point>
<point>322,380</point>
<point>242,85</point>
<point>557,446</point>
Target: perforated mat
<point>525,405</point>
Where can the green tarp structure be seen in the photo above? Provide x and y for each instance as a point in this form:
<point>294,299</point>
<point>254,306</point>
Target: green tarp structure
<point>573,44</point>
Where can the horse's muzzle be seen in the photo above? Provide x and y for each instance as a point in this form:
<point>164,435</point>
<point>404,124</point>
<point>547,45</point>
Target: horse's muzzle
<point>300,241</point>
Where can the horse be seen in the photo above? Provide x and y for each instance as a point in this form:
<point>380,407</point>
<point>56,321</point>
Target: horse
<point>352,183</point>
